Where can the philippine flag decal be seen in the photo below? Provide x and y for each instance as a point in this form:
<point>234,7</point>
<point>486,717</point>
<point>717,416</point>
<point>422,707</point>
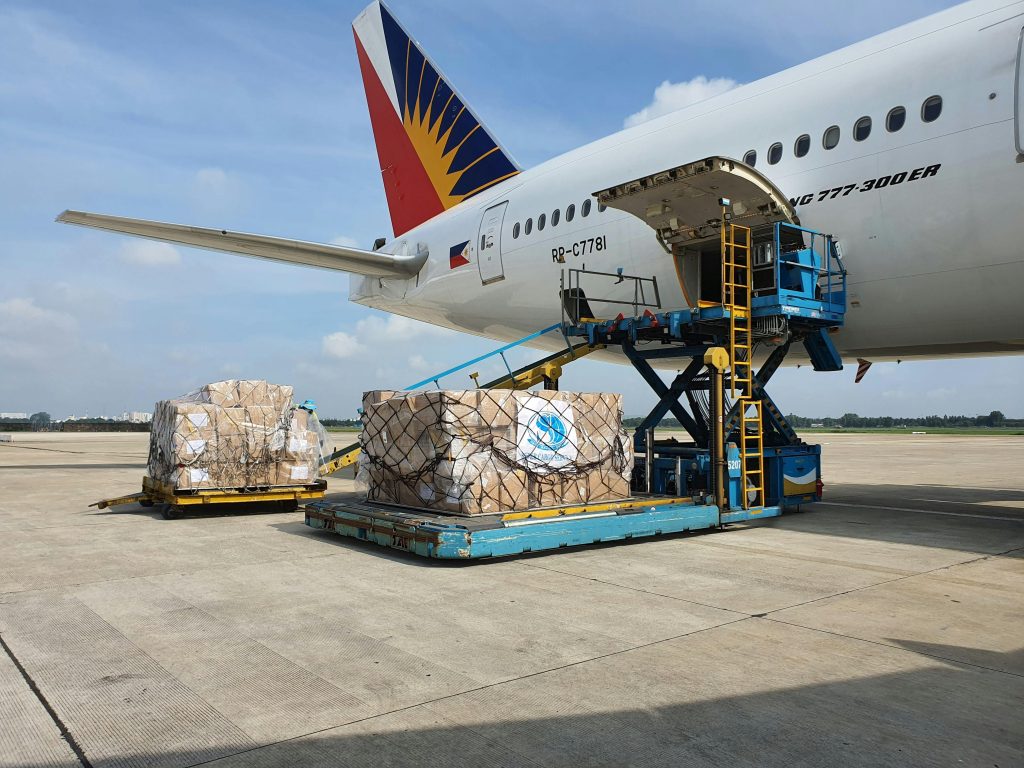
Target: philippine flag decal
<point>458,255</point>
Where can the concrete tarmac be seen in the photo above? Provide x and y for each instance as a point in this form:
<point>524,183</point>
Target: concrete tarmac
<point>884,627</point>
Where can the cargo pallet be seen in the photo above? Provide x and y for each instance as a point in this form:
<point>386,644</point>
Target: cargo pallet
<point>451,537</point>
<point>172,501</point>
<point>776,285</point>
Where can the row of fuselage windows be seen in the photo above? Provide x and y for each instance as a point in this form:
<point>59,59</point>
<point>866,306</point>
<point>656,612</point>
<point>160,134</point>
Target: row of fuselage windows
<point>894,121</point>
<point>556,216</point>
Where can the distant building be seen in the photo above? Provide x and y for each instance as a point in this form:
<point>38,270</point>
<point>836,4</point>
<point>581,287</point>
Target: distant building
<point>137,417</point>
<point>13,415</point>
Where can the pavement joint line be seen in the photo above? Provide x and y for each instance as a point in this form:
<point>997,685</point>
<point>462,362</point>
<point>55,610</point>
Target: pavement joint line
<point>960,487</point>
<point>1004,518</point>
<point>59,450</point>
<point>794,605</point>
<point>65,732</point>
<point>791,556</point>
<point>973,503</point>
<point>219,620</point>
<point>889,645</point>
<point>447,696</point>
<point>59,587</point>
<point>637,589</point>
<point>928,572</point>
<point>64,729</point>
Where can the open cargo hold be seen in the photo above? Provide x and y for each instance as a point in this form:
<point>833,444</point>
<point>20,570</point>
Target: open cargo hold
<point>234,434</point>
<point>484,451</point>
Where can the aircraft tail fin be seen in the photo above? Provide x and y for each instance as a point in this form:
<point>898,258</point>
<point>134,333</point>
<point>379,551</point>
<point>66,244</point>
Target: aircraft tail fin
<point>434,152</point>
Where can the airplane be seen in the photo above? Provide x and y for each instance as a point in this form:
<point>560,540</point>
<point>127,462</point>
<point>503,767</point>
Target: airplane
<point>908,147</point>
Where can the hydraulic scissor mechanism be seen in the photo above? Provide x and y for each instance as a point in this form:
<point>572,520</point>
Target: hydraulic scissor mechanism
<point>775,284</point>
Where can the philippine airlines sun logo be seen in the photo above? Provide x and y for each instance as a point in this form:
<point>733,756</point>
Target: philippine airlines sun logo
<point>548,432</point>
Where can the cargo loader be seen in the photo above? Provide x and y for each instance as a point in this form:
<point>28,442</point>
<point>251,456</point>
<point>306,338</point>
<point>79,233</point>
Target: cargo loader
<point>772,287</point>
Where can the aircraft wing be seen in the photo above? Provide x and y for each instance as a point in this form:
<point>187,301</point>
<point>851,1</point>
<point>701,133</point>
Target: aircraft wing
<point>338,257</point>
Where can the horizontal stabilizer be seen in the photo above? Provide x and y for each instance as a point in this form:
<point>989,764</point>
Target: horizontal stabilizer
<point>338,257</point>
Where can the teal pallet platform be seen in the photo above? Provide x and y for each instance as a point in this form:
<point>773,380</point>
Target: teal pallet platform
<point>449,537</point>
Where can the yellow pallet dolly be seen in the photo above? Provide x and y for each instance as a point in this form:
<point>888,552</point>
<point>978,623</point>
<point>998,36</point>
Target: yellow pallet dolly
<point>173,501</point>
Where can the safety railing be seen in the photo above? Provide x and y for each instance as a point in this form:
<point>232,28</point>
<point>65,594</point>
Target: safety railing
<point>828,279</point>
<point>348,455</point>
<point>576,304</point>
<point>499,352</point>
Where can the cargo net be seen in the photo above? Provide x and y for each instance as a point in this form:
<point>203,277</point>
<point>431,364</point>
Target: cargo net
<point>485,451</point>
<point>235,434</point>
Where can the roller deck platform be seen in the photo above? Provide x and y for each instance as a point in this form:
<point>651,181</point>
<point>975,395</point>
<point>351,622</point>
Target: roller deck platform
<point>450,537</point>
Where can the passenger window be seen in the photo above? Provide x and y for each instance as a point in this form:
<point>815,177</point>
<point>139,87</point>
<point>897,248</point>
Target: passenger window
<point>750,158</point>
<point>831,137</point>
<point>601,207</point>
<point>554,217</point>
<point>541,221</point>
<point>895,119</point>
<point>529,226</point>
<point>774,153</point>
<point>862,129</point>
<point>570,212</point>
<point>515,231</point>
<point>585,210</point>
<point>802,146</point>
<point>931,109</point>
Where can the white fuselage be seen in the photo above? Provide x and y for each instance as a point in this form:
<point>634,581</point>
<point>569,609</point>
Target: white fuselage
<point>935,261</point>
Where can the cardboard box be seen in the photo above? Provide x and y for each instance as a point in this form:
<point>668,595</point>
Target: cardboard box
<point>234,434</point>
<point>234,393</point>
<point>478,452</point>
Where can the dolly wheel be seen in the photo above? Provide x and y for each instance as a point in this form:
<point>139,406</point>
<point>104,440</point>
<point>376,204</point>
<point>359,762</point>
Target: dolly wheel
<point>168,511</point>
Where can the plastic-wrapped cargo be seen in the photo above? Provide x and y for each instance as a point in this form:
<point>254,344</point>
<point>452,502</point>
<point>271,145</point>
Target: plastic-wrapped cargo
<point>483,451</point>
<point>235,434</point>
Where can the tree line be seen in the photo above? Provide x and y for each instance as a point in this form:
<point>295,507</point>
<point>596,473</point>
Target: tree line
<point>42,421</point>
<point>854,421</point>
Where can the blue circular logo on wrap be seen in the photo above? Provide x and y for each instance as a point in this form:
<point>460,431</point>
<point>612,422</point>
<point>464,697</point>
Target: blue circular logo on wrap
<point>549,432</point>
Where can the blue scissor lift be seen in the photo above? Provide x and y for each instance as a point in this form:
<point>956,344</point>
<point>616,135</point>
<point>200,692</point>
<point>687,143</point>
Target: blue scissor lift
<point>788,289</point>
<point>791,291</point>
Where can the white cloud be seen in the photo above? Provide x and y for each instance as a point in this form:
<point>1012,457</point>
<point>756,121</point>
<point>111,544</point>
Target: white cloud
<point>215,191</point>
<point>30,332</point>
<point>396,329</point>
<point>211,180</point>
<point>669,97</point>
<point>20,315</point>
<point>342,345</point>
<point>385,338</point>
<point>149,253</point>
<point>343,240</point>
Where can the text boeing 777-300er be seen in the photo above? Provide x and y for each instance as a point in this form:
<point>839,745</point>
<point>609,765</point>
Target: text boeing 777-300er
<point>908,147</point>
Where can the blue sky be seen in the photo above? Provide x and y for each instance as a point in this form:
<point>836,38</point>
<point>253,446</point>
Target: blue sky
<point>250,116</point>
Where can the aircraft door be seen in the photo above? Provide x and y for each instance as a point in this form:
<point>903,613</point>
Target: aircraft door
<point>1018,97</point>
<point>489,244</point>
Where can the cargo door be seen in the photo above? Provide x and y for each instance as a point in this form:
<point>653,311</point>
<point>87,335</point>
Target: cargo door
<point>1018,97</point>
<point>683,205</point>
<point>489,244</point>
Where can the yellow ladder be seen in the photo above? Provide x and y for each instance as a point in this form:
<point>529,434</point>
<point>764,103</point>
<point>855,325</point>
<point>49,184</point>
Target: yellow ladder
<point>751,452</point>
<point>737,292</point>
